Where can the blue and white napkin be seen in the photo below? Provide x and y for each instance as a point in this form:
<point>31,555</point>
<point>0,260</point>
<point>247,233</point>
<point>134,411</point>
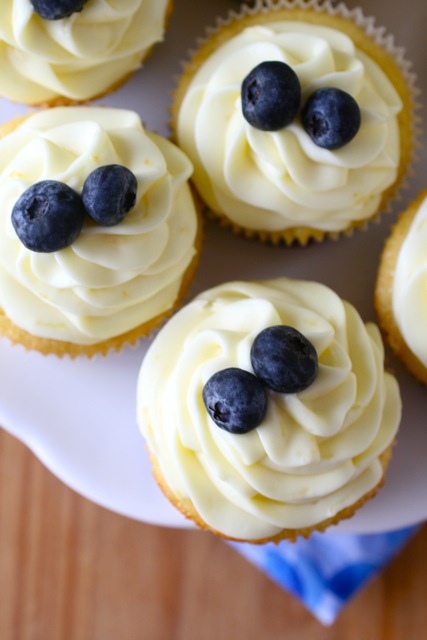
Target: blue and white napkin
<point>327,570</point>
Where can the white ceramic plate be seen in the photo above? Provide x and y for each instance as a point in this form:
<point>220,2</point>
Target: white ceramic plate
<point>78,416</point>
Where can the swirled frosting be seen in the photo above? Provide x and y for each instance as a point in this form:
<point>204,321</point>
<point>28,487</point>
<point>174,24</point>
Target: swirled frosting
<point>77,57</point>
<point>316,452</point>
<point>111,279</point>
<point>409,293</point>
<point>278,180</point>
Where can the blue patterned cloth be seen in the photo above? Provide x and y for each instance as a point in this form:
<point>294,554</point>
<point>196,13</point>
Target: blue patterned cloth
<point>326,571</point>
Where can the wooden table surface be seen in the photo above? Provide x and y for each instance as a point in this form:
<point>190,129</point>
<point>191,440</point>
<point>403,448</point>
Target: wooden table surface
<point>71,570</point>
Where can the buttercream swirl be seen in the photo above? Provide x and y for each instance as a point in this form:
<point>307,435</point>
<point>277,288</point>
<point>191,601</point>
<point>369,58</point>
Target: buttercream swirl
<point>316,452</point>
<point>409,292</point>
<point>278,180</point>
<point>78,57</point>
<point>111,279</point>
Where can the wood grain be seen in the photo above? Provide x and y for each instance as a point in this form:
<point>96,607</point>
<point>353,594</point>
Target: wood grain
<point>70,570</point>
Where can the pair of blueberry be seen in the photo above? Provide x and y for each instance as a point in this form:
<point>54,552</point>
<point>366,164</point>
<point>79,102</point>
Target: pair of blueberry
<point>271,97</point>
<point>57,9</point>
<point>49,215</point>
<point>283,360</point>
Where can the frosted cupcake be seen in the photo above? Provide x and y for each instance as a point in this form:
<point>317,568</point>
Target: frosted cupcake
<point>266,409</point>
<point>98,230</point>
<point>298,123</point>
<point>74,50</point>
<point>400,293</point>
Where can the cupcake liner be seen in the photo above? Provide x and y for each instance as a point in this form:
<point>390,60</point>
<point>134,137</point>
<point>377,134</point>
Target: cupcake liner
<point>358,26</point>
<point>60,348</point>
<point>187,508</point>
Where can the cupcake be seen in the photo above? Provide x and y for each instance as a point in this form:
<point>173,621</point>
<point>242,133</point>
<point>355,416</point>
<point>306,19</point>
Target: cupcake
<point>98,230</point>
<point>298,119</point>
<point>266,409</point>
<point>400,291</point>
<point>74,50</point>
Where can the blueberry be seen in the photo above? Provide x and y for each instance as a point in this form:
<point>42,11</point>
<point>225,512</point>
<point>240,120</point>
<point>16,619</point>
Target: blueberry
<point>57,9</point>
<point>284,359</point>
<point>235,399</point>
<point>48,216</point>
<point>331,117</point>
<point>271,95</point>
<point>109,193</point>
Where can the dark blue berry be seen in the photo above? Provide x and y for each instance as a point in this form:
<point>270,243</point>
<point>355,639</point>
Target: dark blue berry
<point>271,95</point>
<point>109,193</point>
<point>57,9</point>
<point>235,399</point>
<point>48,216</point>
<point>331,117</point>
<point>284,359</point>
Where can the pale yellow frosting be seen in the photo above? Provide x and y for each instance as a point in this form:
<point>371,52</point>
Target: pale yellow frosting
<point>111,279</point>
<point>409,293</point>
<point>316,452</point>
<point>279,180</point>
<point>78,57</point>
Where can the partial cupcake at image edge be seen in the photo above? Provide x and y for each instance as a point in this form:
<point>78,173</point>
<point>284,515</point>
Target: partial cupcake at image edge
<point>401,285</point>
<point>100,233</point>
<point>60,53</point>
<point>266,409</point>
<point>330,161</point>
